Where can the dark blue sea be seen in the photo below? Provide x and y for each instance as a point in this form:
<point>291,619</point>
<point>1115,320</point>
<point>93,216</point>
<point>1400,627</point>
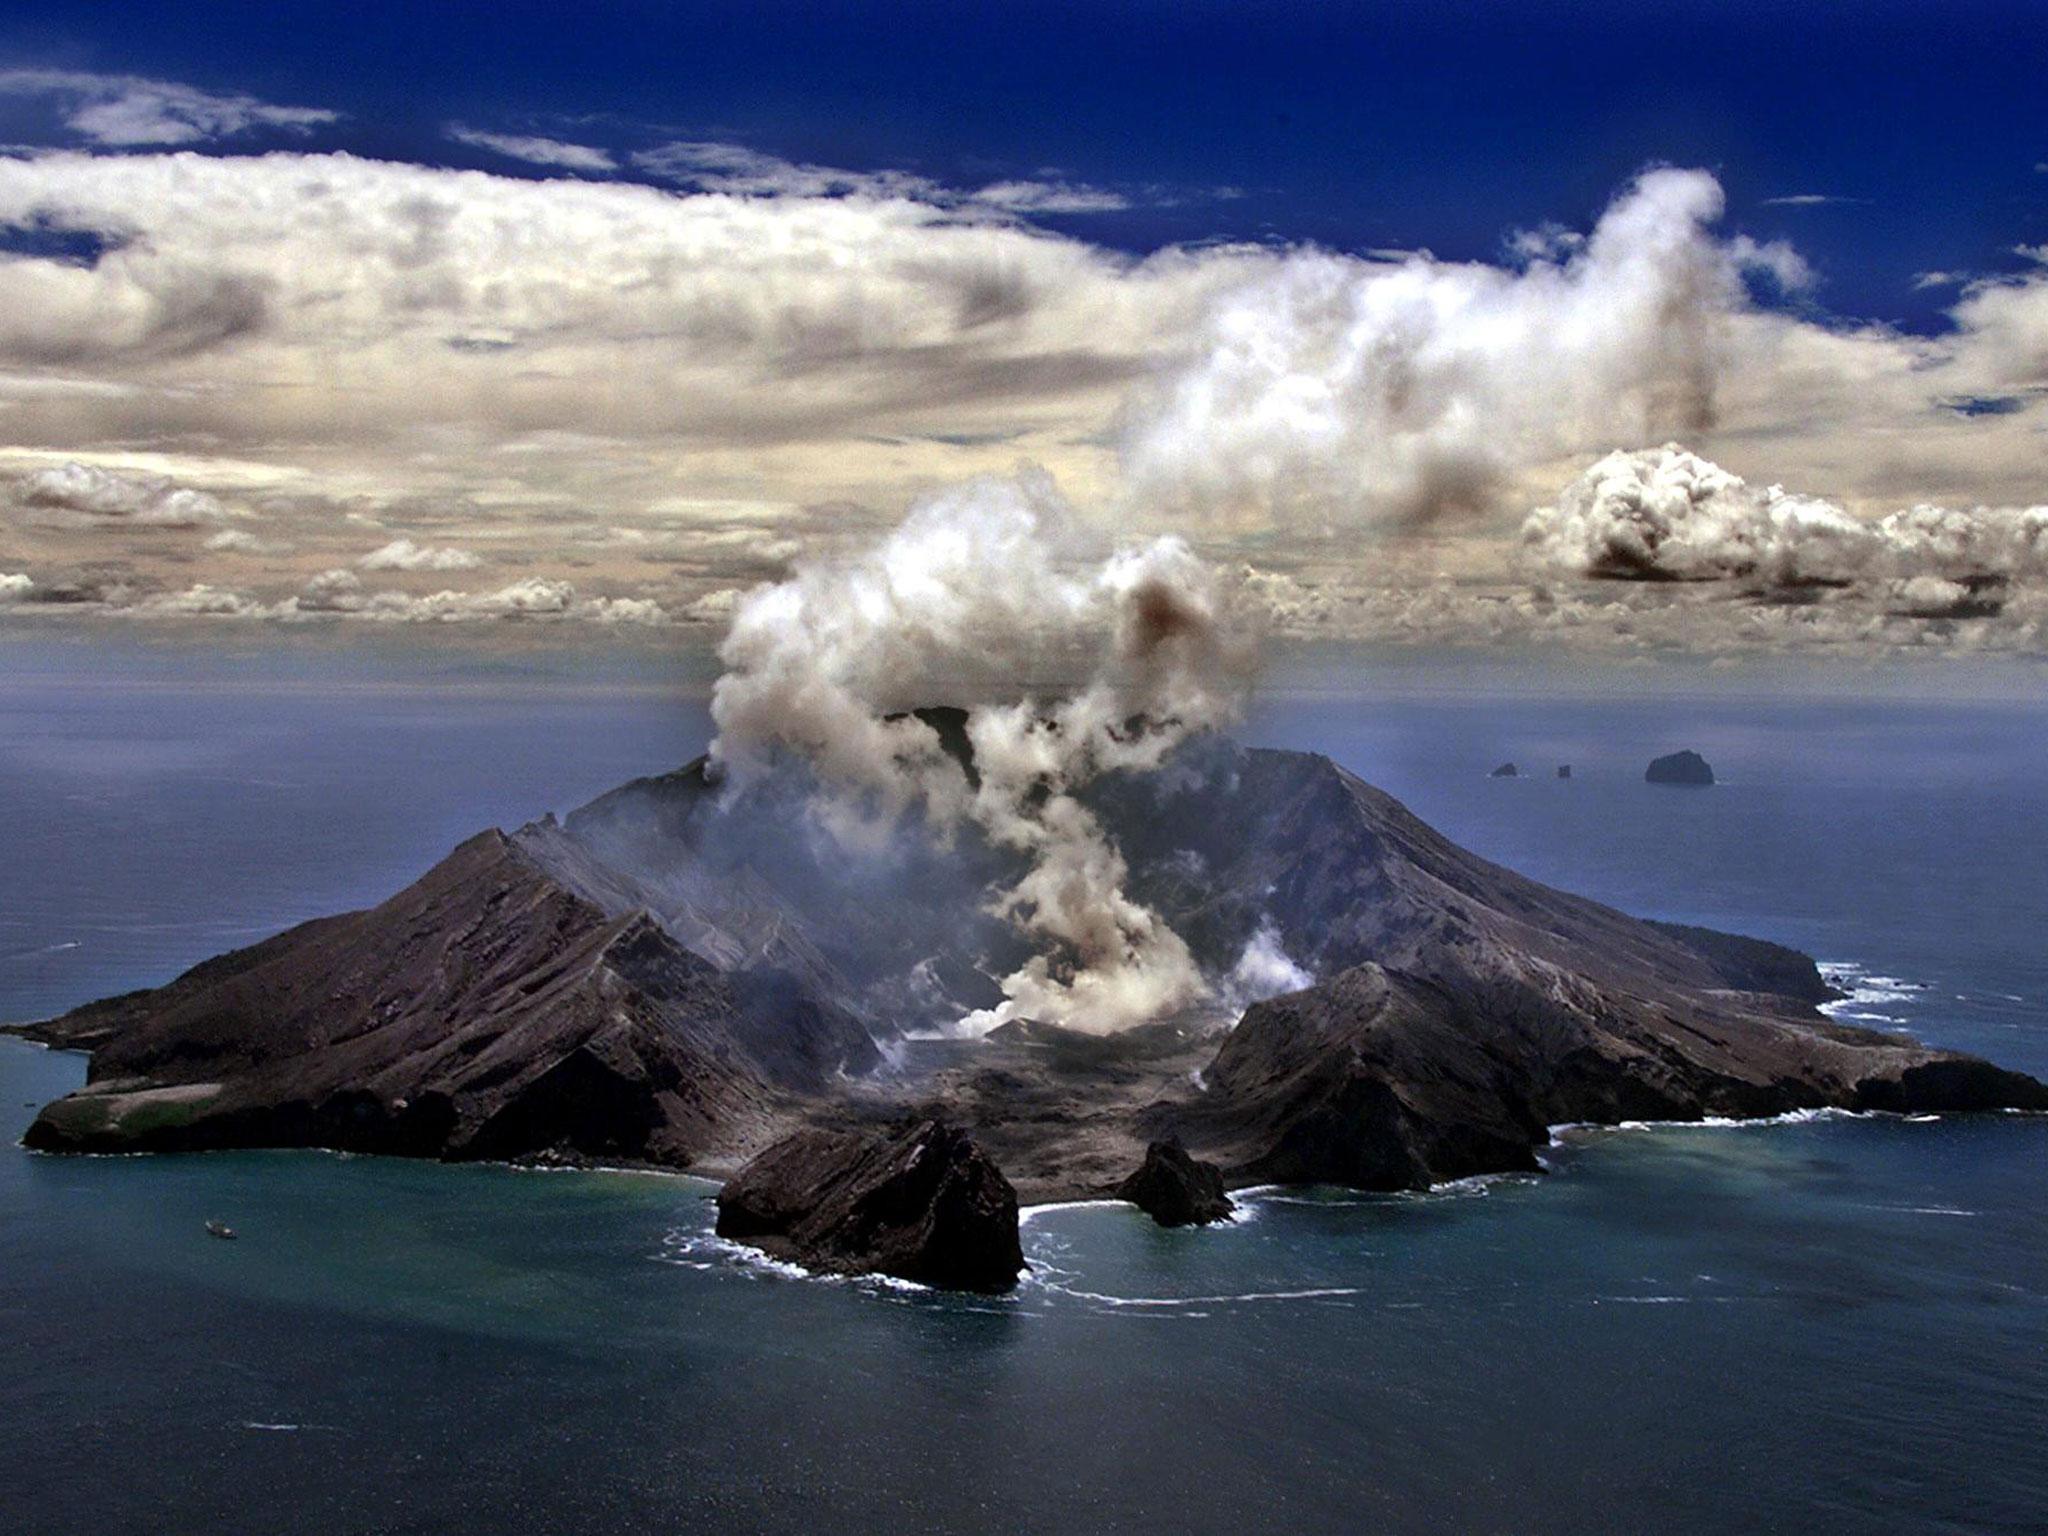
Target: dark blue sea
<point>1838,1325</point>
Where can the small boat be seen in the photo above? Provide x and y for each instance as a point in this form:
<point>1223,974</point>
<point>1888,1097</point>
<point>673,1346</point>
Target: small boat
<point>220,1229</point>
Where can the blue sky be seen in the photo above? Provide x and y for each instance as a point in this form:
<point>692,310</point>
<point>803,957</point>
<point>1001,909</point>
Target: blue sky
<point>1357,125</point>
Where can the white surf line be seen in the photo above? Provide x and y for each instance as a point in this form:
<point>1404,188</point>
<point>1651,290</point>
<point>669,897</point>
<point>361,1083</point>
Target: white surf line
<point>46,949</point>
<point>1565,1128</point>
<point>682,1249</point>
<point>1313,1294</point>
<point>1027,1213</point>
<point>1865,990</point>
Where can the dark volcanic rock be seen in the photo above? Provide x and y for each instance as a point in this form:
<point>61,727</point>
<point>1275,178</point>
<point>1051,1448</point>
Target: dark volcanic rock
<point>1381,1080</point>
<point>1754,965</point>
<point>923,1204</point>
<point>484,1012</point>
<point>1679,768</point>
<point>1176,1190</point>
<point>1505,771</point>
<point>665,977</point>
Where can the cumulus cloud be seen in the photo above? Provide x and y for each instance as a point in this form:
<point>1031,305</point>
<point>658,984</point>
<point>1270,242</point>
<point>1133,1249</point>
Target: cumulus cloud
<point>203,600</point>
<point>1936,597</point>
<point>554,154</point>
<point>121,111</point>
<point>1664,514</point>
<point>239,541</point>
<point>14,586</point>
<point>981,598</point>
<point>341,593</point>
<point>405,555</point>
<point>1368,392</point>
<point>87,494</point>
<point>334,591</point>
<point>715,607</point>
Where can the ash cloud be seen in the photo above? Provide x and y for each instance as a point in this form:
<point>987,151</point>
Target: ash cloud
<point>1068,667</point>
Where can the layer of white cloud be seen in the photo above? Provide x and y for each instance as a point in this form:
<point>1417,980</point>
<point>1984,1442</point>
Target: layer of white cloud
<point>555,154</point>
<point>239,541</point>
<point>715,166</point>
<point>660,397</point>
<point>78,494</point>
<point>123,111</point>
<point>404,555</point>
<point>340,593</point>
<point>377,309</point>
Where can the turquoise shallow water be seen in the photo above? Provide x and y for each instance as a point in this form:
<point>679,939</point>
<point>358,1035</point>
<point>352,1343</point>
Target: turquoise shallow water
<point>1837,1325</point>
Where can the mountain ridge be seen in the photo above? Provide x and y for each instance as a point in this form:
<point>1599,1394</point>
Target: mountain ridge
<point>677,976</point>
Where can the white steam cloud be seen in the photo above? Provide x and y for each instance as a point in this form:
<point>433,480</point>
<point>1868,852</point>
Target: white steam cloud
<point>1068,668</point>
<point>1342,391</point>
<point>1663,514</point>
<point>1263,970</point>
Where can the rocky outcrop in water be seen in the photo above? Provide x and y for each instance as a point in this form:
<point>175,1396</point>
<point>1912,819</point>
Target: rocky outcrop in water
<point>1679,768</point>
<point>1176,1190</point>
<point>923,1204</point>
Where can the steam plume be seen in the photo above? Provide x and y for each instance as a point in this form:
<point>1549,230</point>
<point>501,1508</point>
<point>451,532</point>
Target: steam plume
<point>1068,668</point>
<point>1344,391</point>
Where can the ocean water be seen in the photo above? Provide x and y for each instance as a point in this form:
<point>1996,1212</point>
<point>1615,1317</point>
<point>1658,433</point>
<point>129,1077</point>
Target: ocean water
<point>1839,1324</point>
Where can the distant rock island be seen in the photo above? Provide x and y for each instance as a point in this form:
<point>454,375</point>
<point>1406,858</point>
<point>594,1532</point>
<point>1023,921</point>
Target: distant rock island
<point>1505,771</point>
<point>1686,767</point>
<point>666,979</point>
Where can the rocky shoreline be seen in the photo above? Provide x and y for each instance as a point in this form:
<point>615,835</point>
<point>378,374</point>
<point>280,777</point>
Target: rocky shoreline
<point>655,982</point>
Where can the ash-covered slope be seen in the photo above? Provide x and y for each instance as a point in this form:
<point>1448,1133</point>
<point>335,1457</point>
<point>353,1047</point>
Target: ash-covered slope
<point>670,977</point>
<point>486,1011</point>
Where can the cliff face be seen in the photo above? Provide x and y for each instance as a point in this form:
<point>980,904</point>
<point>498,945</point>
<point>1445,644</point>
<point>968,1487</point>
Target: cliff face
<point>924,1204</point>
<point>484,1012</point>
<point>663,978</point>
<point>1380,1080</point>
